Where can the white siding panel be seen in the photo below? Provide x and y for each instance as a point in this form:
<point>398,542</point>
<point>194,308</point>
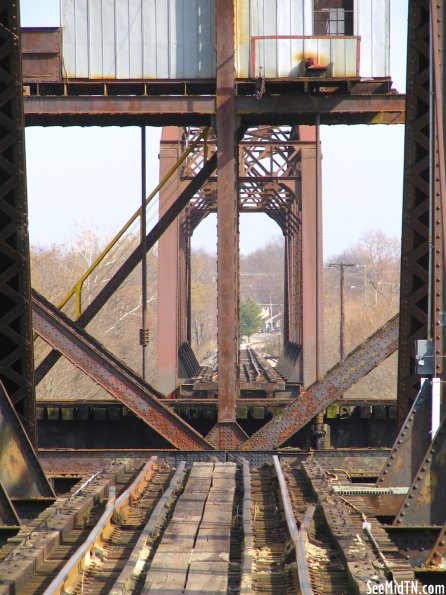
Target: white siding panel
<point>205,45</point>
<point>122,39</point>
<point>68,38</point>
<point>162,39</point>
<point>150,46</point>
<point>82,36</point>
<point>108,39</point>
<point>176,40</point>
<point>95,35</point>
<point>307,8</point>
<point>284,27</point>
<point>135,38</point>
<point>191,40</point>
<point>380,37</point>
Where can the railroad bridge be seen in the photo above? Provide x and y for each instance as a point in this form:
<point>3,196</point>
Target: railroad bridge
<point>221,478</point>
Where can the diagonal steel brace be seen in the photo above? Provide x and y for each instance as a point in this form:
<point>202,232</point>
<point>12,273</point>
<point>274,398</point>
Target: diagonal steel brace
<point>319,395</point>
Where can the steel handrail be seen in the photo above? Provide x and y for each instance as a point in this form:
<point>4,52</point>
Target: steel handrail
<point>74,565</point>
<point>298,536</point>
<point>76,290</point>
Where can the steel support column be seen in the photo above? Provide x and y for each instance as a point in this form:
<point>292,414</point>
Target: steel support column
<point>312,261</point>
<point>168,268</point>
<point>227,214</point>
<point>16,354</point>
<point>415,230</point>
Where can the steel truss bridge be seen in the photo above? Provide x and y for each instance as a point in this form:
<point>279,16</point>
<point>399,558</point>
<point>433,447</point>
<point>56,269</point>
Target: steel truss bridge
<point>223,510</point>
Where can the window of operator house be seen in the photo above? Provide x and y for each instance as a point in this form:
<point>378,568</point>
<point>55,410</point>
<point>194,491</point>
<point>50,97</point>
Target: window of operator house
<point>333,17</point>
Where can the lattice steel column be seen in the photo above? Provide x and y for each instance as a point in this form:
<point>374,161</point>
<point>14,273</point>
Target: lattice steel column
<point>16,354</point>
<point>414,304</point>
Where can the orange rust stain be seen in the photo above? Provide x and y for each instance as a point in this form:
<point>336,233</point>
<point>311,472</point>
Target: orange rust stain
<point>302,56</point>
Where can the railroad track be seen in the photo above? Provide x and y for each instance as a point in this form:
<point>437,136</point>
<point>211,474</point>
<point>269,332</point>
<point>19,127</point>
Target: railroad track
<point>327,572</point>
<point>214,528</point>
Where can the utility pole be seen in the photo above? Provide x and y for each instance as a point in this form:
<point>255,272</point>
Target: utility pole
<point>341,267</point>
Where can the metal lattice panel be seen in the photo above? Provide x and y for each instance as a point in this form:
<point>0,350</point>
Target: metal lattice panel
<point>16,356</point>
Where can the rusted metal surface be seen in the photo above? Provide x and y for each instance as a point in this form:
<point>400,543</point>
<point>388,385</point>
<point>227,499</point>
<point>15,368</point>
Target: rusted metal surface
<point>33,545</point>
<point>196,110</point>
<point>169,281</point>
<point>411,443</point>
<point>21,474</point>
<point>336,381</point>
<point>357,554</point>
<point>415,230</point>
<point>41,54</point>
<point>414,543</point>
<point>248,543</point>
<point>312,257</point>
<point>424,503</point>
<point>372,109</point>
<point>132,261</point>
<point>227,218</point>
<point>68,576</point>
<point>298,537</point>
<point>356,462</point>
<point>107,371</point>
<point>16,351</point>
<point>437,554</point>
<point>226,435</point>
<point>438,179</point>
<point>8,514</point>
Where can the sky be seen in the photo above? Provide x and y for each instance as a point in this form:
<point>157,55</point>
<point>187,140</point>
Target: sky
<point>82,178</point>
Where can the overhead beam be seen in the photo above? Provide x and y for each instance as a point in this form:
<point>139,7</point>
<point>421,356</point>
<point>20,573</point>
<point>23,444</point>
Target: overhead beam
<point>330,388</point>
<point>198,110</point>
<point>115,377</point>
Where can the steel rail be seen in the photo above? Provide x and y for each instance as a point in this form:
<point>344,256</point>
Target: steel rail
<point>298,536</point>
<point>246,587</point>
<point>140,552</point>
<point>74,567</point>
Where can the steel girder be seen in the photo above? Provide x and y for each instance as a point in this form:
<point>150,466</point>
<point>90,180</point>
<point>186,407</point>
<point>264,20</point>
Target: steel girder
<point>16,352</point>
<point>91,357</point>
<point>423,173</point>
<point>331,387</point>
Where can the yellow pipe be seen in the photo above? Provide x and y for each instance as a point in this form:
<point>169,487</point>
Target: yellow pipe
<point>77,288</point>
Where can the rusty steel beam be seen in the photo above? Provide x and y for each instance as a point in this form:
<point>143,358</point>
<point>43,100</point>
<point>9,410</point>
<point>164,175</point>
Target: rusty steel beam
<point>21,475</point>
<point>437,554</point>
<point>330,388</point>
<point>133,260</point>
<point>411,444</point>
<point>423,238</point>
<point>16,351</point>
<point>312,257</point>
<point>227,218</point>
<point>196,110</point>
<point>169,281</point>
<point>116,378</point>
<point>424,503</point>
